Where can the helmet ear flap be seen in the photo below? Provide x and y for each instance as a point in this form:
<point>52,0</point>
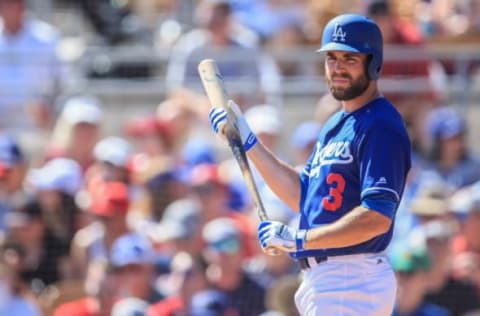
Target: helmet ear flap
<point>372,68</point>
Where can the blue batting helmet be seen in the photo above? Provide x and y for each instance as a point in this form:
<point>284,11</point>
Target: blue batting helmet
<point>355,33</point>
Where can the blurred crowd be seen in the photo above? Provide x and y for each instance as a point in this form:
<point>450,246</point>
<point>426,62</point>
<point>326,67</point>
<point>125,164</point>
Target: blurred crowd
<point>155,219</point>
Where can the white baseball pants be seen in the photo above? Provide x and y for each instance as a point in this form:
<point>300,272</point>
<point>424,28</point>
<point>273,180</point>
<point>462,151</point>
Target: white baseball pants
<point>351,285</point>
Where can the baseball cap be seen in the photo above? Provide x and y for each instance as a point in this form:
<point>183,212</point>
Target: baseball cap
<point>222,234</point>
<point>59,174</point>
<point>131,249</point>
<point>409,259</point>
<point>205,173</point>
<point>82,109</point>
<point>431,200</point>
<point>197,151</point>
<point>109,198</point>
<point>130,306</point>
<point>114,150</point>
<point>444,123</point>
<point>141,126</point>
<point>209,302</point>
<point>263,118</point>
<point>10,152</point>
<point>305,134</point>
<point>180,220</point>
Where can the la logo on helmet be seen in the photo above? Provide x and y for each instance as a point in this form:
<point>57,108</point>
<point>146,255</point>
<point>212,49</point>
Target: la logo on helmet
<point>338,33</point>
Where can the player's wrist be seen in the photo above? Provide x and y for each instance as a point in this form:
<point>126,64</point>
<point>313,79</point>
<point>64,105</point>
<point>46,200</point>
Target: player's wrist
<point>300,239</point>
<point>250,141</point>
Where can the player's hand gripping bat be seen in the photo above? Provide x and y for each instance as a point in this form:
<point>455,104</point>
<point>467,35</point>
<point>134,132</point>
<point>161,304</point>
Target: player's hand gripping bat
<point>214,86</point>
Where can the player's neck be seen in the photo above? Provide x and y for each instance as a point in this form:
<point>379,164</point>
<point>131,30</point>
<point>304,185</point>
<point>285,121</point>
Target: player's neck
<point>368,95</point>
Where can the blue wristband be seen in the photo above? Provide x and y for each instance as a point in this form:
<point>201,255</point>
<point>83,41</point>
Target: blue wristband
<point>300,238</point>
<point>250,142</point>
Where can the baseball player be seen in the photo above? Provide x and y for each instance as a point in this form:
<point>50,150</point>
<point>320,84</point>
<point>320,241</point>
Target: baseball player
<point>349,190</point>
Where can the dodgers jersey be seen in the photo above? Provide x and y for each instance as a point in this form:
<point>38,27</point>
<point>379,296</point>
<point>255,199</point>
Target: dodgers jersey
<point>359,157</point>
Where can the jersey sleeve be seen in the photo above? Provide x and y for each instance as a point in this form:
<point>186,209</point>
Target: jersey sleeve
<point>384,161</point>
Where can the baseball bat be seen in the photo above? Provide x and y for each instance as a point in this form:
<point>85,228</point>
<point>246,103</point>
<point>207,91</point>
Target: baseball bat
<point>216,92</point>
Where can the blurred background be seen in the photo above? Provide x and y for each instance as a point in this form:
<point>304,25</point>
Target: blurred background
<point>117,199</point>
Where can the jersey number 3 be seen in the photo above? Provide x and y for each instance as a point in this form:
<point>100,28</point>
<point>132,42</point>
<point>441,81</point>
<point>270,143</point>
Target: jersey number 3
<point>334,200</point>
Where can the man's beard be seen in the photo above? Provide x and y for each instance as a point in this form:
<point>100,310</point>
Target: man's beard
<point>344,94</point>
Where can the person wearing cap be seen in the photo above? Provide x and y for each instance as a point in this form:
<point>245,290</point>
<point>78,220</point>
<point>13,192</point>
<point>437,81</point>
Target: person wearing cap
<point>213,194</point>
<point>13,168</point>
<point>55,185</point>
<point>224,252</point>
<point>108,204</point>
<point>44,254</point>
<point>112,162</point>
<point>151,136</point>
<point>411,266</point>
<point>349,191</point>
<point>448,153</point>
<point>77,130</point>
<point>133,258</point>
<point>180,228</point>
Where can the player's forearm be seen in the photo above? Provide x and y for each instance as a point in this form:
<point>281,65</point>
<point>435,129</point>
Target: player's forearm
<point>282,179</point>
<point>357,226</point>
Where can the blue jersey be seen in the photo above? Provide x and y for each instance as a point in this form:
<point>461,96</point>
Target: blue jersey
<point>359,157</point>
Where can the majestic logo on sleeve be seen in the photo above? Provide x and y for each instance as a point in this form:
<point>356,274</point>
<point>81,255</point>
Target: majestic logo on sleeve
<point>333,153</point>
<point>338,33</point>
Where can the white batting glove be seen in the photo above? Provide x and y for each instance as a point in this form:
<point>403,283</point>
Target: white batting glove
<point>218,120</point>
<point>276,235</point>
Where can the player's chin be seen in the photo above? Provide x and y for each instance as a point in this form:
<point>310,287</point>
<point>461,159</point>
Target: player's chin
<point>338,93</point>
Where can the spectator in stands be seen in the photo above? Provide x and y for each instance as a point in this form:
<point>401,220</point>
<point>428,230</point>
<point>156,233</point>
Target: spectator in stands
<point>109,203</point>
<point>466,245</point>
<point>150,135</point>
<point>13,167</point>
<point>28,86</point>
<point>115,23</point>
<point>443,289</point>
<point>130,306</point>
<point>214,38</point>
<point>280,296</point>
<point>187,277</point>
<point>413,101</point>
<point>98,302</point>
<point>55,184</point>
<point>225,255</point>
<point>179,230</point>
<point>211,303</point>
<point>161,183</point>
<point>42,258</point>
<point>411,266</point>
<point>12,302</point>
<point>112,160</point>
<point>133,258</point>
<point>213,194</point>
<point>77,130</point>
<point>449,154</point>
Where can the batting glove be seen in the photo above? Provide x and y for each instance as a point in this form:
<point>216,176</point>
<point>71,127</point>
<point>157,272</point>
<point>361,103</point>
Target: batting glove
<point>218,120</point>
<point>276,235</point>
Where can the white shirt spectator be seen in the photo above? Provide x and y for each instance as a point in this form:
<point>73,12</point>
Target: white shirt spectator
<point>29,71</point>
